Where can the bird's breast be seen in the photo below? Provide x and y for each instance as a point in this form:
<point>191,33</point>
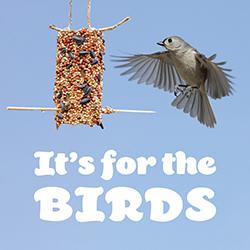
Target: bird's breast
<point>188,67</point>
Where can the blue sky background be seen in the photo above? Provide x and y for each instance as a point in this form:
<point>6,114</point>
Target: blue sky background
<point>27,78</point>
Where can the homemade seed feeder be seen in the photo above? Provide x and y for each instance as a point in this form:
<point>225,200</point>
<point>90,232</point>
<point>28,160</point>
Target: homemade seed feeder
<point>78,88</point>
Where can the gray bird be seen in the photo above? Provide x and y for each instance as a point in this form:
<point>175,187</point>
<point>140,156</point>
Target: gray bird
<point>186,72</point>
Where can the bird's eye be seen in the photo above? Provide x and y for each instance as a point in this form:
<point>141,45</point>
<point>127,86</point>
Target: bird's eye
<point>170,40</point>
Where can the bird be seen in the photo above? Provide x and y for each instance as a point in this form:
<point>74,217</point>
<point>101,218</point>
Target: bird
<point>182,69</point>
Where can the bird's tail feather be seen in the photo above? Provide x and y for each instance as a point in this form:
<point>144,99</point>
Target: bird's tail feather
<point>196,103</point>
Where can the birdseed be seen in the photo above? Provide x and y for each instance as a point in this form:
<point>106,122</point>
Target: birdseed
<point>79,74</point>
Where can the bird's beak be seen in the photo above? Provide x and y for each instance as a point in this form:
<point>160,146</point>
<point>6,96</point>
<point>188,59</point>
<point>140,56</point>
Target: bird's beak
<point>161,44</point>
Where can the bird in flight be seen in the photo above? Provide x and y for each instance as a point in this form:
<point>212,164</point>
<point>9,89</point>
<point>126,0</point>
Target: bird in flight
<point>186,72</point>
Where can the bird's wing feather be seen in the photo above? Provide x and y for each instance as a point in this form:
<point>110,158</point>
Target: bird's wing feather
<point>218,83</point>
<point>156,69</point>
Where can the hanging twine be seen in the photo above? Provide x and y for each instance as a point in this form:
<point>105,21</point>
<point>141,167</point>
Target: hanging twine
<point>70,13</point>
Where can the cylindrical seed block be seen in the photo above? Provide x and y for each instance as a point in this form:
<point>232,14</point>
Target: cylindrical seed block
<point>79,74</point>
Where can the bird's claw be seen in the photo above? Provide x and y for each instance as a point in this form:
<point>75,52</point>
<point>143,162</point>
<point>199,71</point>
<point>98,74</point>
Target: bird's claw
<point>186,89</point>
<point>179,89</point>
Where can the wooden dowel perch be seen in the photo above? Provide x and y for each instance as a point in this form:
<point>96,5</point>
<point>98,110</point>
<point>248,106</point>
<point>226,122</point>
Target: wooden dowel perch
<point>133,111</point>
<point>31,109</point>
<point>106,110</point>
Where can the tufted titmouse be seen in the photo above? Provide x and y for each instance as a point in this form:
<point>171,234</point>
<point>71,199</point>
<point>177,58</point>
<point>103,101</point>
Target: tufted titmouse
<point>186,72</point>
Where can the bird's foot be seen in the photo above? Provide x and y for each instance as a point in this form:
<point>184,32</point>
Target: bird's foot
<point>186,89</point>
<point>189,90</point>
<point>179,89</point>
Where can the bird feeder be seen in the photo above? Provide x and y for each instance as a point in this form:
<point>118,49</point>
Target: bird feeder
<point>78,88</point>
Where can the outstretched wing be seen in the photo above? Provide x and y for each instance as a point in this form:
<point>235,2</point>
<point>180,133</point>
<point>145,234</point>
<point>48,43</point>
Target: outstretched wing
<point>156,69</point>
<point>218,83</point>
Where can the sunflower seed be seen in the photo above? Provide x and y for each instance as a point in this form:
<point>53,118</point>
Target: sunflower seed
<point>101,125</point>
<point>62,106</point>
<point>87,91</point>
<point>84,52</point>
<point>84,101</point>
<point>99,77</point>
<point>71,54</point>
<point>59,95</point>
<point>68,66</point>
<point>93,61</point>
<point>92,53</point>
<point>83,85</point>
<point>79,40</point>
<point>63,50</point>
<point>60,116</point>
